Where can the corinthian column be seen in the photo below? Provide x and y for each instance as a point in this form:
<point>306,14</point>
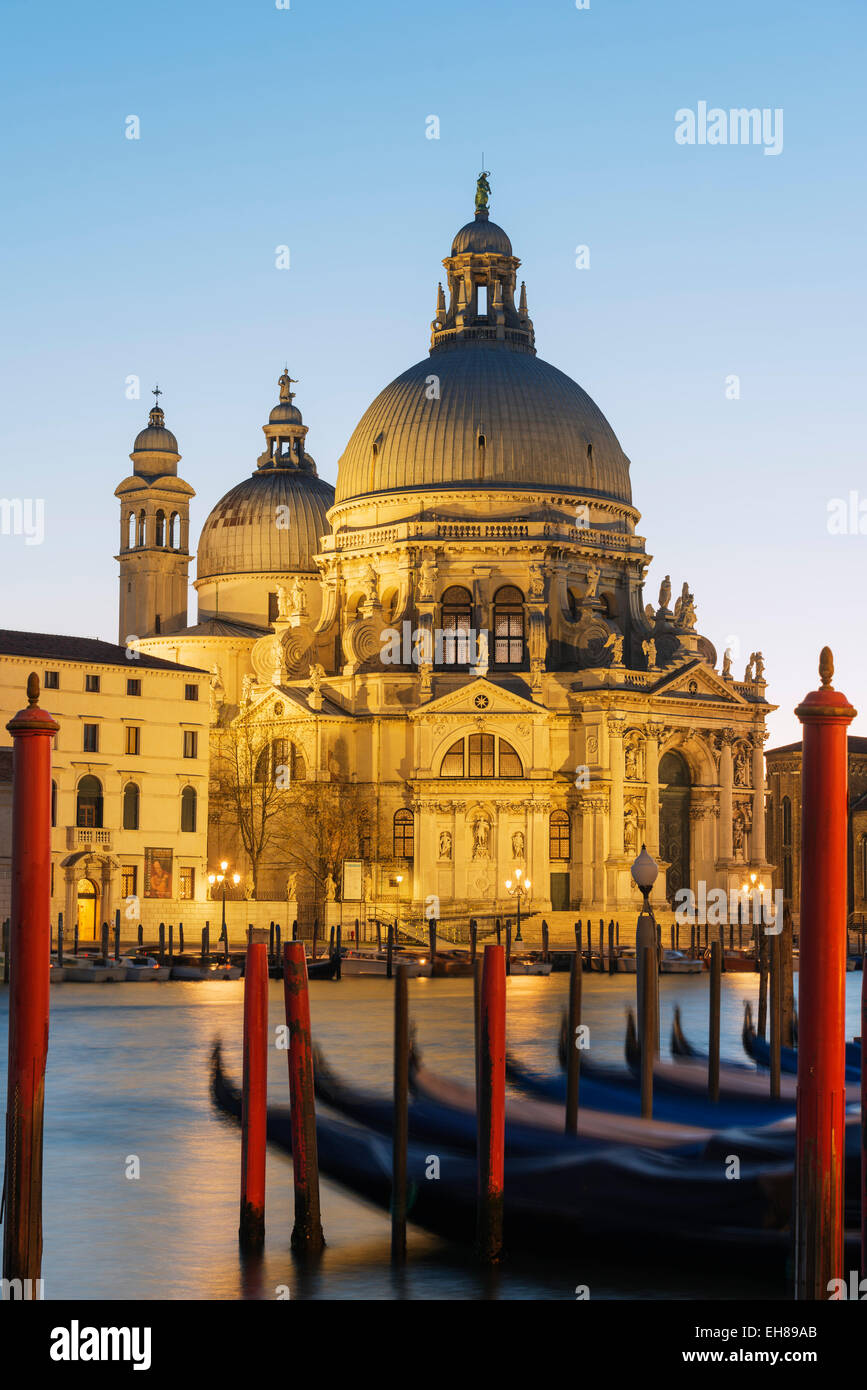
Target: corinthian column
<point>758,837</point>
<point>615,758</point>
<point>725,794</point>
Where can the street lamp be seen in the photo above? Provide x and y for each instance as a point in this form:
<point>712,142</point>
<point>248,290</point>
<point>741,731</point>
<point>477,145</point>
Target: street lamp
<point>645,872</point>
<point>221,879</point>
<point>519,890</point>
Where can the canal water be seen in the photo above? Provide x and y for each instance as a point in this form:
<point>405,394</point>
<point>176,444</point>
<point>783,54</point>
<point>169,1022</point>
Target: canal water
<point>128,1075</point>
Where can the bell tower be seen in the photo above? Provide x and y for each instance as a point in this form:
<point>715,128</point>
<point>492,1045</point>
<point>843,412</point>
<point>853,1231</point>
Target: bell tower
<point>154,535</point>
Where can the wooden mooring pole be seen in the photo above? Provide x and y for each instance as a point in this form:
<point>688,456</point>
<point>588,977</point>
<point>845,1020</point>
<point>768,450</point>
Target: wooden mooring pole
<point>646,981</point>
<point>573,1054</point>
<point>254,1101</point>
<point>389,951</point>
<point>29,954</point>
<point>492,1106</point>
<point>307,1234</point>
<point>776,1015</point>
<point>400,1137</point>
<point>714,1021</point>
<point>820,1141</point>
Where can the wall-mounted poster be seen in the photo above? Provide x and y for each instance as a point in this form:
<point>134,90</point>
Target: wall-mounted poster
<point>352,869</point>
<point>158,873</point>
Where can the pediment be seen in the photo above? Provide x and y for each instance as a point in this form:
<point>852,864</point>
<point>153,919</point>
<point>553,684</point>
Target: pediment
<point>699,681</point>
<point>480,695</point>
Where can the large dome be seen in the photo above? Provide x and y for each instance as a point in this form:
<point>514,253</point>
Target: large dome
<point>243,535</point>
<point>540,429</point>
<point>483,411</point>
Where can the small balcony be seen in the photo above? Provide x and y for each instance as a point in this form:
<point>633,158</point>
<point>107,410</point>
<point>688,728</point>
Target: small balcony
<point>87,837</point>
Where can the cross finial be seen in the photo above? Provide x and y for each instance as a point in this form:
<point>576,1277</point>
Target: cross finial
<point>157,393</point>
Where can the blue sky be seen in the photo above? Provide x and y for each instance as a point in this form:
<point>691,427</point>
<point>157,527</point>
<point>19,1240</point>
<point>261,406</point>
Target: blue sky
<point>306,127</point>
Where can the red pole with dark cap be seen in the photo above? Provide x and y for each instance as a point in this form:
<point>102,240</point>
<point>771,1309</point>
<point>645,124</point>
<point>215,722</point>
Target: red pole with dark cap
<point>820,1145</point>
<point>492,1104</point>
<point>30,957</point>
<point>307,1234</point>
<point>254,1098</point>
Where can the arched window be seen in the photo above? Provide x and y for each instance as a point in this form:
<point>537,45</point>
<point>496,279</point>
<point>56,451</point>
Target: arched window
<point>364,838</point>
<point>404,835</point>
<point>481,755</point>
<point>141,527</point>
<point>53,803</point>
<point>160,532</point>
<point>130,806</point>
<point>188,809</point>
<point>130,531</point>
<point>787,822</point>
<point>276,763</point>
<point>508,626</point>
<point>559,836</point>
<point>457,621</point>
<point>88,803</point>
<point>174,530</point>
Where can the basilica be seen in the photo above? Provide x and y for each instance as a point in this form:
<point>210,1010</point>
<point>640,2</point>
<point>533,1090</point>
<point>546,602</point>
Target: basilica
<point>458,634</point>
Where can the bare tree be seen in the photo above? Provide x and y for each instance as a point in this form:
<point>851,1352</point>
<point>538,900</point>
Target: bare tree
<point>321,825</point>
<point>248,789</point>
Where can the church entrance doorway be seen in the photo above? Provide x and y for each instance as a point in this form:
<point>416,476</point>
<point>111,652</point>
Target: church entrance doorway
<point>560,892</point>
<point>674,784</point>
<point>88,898</point>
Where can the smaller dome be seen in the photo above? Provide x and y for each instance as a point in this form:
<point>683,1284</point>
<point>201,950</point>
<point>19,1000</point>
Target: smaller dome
<point>481,235</point>
<point>155,440</point>
<point>285,414</point>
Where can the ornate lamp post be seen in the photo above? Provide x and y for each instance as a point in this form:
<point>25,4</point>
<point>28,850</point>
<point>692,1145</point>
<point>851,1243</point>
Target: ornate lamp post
<point>221,879</point>
<point>645,872</point>
<point>518,890</point>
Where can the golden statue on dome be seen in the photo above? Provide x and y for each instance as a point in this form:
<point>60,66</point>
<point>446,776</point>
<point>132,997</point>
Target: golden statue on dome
<point>483,191</point>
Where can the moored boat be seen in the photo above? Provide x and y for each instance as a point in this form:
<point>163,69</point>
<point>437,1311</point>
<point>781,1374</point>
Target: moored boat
<point>141,969</point>
<point>94,970</point>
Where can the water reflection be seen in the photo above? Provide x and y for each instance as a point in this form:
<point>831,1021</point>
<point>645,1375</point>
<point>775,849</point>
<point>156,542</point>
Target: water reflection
<point>128,1075</point>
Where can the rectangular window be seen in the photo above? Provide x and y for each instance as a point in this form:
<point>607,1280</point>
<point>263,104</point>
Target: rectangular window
<point>508,639</point>
<point>188,882</point>
<point>481,755</point>
<point>128,881</point>
<point>52,680</point>
<point>191,692</point>
<point>91,684</point>
<point>273,608</point>
<point>191,743</point>
<point>133,740</point>
<point>456,639</point>
<point>52,878</point>
<point>91,738</point>
<point>133,687</point>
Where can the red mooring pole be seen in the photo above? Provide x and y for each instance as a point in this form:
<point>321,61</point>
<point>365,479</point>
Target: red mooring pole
<point>820,1148</point>
<point>307,1234</point>
<point>254,1099</point>
<point>864,1116</point>
<point>492,1104</point>
<point>29,946</point>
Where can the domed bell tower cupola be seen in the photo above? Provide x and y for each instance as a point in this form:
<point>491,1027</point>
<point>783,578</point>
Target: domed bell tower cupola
<point>482,277</point>
<point>154,535</point>
<point>285,433</point>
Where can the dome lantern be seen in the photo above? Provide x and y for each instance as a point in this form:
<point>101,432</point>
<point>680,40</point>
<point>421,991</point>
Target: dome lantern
<point>285,432</point>
<point>155,451</point>
<point>481,274</point>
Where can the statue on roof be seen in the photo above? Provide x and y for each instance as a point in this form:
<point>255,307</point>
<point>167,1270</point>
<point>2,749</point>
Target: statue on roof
<point>483,191</point>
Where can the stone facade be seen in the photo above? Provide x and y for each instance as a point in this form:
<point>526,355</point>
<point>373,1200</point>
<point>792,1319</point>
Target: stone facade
<point>124,792</point>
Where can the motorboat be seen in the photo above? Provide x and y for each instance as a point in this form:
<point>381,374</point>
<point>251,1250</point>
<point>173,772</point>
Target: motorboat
<point>376,963</point>
<point>525,965</point>
<point>144,968</point>
<point>94,970</point>
<point>677,963</point>
<point>190,968</point>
